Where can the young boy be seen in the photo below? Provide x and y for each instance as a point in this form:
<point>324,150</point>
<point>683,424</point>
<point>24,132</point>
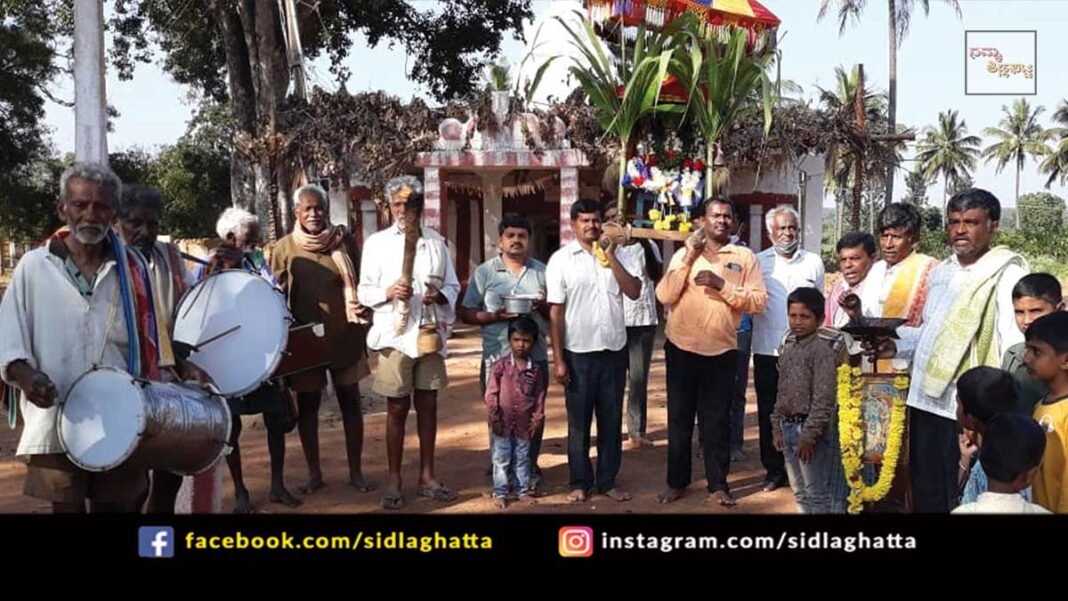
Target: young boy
<point>801,420</point>
<point>1034,296</point>
<point>515,397</point>
<point>1012,450</point>
<point>1047,361</point>
<point>982,393</point>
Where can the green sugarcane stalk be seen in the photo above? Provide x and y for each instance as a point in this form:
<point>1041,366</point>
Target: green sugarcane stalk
<point>621,199</point>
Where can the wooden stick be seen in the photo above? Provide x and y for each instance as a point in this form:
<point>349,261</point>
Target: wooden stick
<point>411,239</point>
<point>626,234</point>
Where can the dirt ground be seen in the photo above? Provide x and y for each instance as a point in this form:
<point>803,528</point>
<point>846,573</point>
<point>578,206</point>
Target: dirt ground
<point>462,458</point>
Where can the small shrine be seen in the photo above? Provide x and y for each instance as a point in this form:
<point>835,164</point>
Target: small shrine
<point>514,154</point>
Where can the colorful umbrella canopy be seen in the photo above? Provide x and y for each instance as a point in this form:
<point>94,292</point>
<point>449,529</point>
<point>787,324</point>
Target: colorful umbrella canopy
<point>748,14</point>
<point>720,16</point>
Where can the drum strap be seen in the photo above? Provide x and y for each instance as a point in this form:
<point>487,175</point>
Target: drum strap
<point>111,324</point>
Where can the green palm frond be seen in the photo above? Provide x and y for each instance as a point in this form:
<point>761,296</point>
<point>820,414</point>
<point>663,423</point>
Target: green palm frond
<point>1055,164</point>
<point>722,80</point>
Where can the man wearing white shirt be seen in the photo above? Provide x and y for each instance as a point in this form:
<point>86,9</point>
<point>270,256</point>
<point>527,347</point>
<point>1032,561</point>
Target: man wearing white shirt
<point>968,321</point>
<point>588,337</point>
<point>897,285</point>
<point>901,276</point>
<point>62,316</point>
<point>785,267</point>
<point>856,255</point>
<point>402,373</point>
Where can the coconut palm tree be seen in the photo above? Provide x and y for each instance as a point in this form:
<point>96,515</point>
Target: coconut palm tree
<point>948,150</point>
<point>1018,136</point>
<point>900,17</point>
<point>1056,164</point>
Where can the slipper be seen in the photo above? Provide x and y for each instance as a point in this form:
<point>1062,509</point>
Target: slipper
<point>392,500</point>
<point>438,492</point>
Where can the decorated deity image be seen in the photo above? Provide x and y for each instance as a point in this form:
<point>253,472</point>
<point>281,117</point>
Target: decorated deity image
<point>876,418</point>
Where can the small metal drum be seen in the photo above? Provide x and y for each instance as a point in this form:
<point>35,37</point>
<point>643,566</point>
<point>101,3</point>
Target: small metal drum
<point>109,418</point>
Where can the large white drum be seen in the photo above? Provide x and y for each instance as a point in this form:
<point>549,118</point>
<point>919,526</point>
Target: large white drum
<point>237,325</point>
<point>108,418</point>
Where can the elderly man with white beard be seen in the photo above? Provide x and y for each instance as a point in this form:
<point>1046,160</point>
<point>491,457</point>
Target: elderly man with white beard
<point>80,301</point>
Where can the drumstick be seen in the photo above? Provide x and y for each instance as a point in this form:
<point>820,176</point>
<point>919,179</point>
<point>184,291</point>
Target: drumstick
<point>196,297</point>
<point>189,257</point>
<point>204,343</point>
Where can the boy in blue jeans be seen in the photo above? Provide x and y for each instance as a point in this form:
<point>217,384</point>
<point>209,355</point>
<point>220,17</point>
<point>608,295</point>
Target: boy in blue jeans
<point>515,398</point>
<point>801,421</point>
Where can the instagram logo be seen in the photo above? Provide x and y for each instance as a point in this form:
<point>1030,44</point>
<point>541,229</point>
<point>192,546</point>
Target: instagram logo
<point>576,541</point>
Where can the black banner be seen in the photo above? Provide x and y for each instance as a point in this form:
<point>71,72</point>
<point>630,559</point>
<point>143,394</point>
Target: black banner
<point>559,539</point>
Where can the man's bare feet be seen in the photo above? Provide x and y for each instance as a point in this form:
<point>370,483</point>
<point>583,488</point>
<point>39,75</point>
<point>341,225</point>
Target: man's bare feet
<point>242,504</point>
<point>500,502</point>
<point>282,496</point>
<point>313,484</point>
<point>617,494</point>
<point>362,484</point>
<point>641,442</point>
<point>670,495</point>
<point>528,499</point>
<point>721,497</point>
<point>578,496</point>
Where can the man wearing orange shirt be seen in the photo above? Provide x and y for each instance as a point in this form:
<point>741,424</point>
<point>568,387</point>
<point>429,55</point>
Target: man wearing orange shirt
<point>708,285</point>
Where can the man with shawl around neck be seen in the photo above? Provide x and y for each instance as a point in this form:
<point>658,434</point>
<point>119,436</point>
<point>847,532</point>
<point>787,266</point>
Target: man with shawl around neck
<point>968,321</point>
<point>317,267</point>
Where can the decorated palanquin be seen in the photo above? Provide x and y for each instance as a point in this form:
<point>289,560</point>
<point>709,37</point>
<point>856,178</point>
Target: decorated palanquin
<point>719,15</point>
<point>665,177</point>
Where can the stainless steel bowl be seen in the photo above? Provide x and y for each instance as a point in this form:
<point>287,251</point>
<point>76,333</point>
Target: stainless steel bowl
<point>519,304</point>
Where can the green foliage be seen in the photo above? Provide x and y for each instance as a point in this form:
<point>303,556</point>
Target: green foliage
<point>932,218</point>
<point>193,175</point>
<point>1044,252</point>
<point>29,55</point>
<point>133,166</point>
<point>196,183</point>
<point>1041,212</point>
<point>448,46</point>
<point>29,201</point>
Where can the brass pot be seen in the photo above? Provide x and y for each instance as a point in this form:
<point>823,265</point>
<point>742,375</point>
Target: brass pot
<point>429,340</point>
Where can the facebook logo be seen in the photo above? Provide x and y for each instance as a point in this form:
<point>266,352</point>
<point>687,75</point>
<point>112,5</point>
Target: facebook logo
<point>155,541</point>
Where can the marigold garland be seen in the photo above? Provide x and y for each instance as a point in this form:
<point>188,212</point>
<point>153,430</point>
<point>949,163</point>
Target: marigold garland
<point>851,439</point>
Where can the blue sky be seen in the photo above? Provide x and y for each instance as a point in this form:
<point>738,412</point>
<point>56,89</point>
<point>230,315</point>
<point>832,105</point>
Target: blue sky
<point>931,62</point>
